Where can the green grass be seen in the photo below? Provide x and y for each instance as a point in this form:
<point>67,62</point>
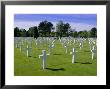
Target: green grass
<point>58,63</point>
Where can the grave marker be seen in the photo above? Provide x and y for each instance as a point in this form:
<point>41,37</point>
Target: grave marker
<point>44,56</point>
<point>65,46</point>
<point>93,51</point>
<point>28,49</point>
<point>73,55</point>
<point>80,45</point>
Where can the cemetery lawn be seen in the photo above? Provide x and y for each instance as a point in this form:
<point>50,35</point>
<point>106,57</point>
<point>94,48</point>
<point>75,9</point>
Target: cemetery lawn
<point>58,62</point>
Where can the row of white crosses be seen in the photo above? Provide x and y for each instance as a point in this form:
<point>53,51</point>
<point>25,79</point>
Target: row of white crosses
<point>64,42</point>
<point>92,47</point>
<point>17,42</point>
<point>93,50</point>
<point>51,46</point>
<point>39,41</point>
<point>92,44</point>
<point>44,57</point>
<point>20,45</point>
<point>44,41</point>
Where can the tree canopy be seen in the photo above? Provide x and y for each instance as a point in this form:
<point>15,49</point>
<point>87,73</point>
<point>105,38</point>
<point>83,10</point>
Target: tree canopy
<point>46,29</point>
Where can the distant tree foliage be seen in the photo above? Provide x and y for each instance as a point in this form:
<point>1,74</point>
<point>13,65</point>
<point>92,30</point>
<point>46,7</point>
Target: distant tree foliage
<point>75,34</point>
<point>33,32</point>
<point>46,29</point>
<point>19,32</point>
<point>93,32</point>
<point>16,32</point>
<point>62,29</point>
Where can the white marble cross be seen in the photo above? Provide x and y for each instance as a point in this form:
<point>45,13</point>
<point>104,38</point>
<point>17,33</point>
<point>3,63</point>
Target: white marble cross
<point>70,42</point>
<point>80,45</point>
<point>28,50</point>
<point>90,45</point>
<point>17,44</point>
<point>53,41</point>
<point>51,46</point>
<point>44,56</point>
<point>21,45</point>
<point>73,55</point>
<point>93,51</point>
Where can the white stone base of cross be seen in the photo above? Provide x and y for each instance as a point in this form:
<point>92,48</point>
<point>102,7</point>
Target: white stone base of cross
<point>44,56</point>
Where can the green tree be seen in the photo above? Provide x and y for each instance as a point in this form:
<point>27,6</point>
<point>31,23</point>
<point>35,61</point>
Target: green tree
<point>33,32</point>
<point>62,29</point>
<point>93,32</point>
<point>85,34</point>
<point>36,34</point>
<point>70,33</point>
<point>53,34</point>
<point>80,33</point>
<point>59,28</point>
<point>16,32</point>
<point>22,32</point>
<point>66,29</point>
<point>45,28</point>
<point>75,34</point>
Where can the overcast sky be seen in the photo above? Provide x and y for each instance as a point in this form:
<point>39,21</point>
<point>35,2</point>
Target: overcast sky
<point>77,21</point>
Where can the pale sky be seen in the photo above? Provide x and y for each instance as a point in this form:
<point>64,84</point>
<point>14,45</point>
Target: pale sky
<point>76,21</point>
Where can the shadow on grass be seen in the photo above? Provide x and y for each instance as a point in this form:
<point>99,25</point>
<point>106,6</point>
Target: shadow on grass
<point>34,57</point>
<point>29,56</point>
<point>60,64</point>
<point>86,63</point>
<point>76,62</point>
<point>56,69</point>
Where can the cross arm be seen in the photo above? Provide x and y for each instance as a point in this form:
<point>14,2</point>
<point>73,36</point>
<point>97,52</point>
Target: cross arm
<point>40,56</point>
<point>48,54</point>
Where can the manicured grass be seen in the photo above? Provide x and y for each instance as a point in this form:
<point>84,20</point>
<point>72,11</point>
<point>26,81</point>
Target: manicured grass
<point>58,63</point>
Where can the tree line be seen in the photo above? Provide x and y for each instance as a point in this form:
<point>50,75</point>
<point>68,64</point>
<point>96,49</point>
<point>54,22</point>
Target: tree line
<point>46,29</point>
